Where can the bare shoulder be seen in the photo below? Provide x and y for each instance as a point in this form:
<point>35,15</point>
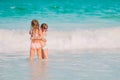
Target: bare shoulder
<point>40,31</point>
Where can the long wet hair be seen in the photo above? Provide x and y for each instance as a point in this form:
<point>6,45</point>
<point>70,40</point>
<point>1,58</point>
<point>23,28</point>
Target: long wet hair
<point>35,24</point>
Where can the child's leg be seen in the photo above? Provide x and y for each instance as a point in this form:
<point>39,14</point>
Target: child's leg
<point>45,53</point>
<point>39,53</point>
<point>32,52</point>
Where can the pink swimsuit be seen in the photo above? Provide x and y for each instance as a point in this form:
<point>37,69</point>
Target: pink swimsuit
<point>35,45</point>
<point>35,36</point>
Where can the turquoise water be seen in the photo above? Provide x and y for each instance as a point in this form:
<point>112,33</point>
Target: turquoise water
<point>60,14</point>
<point>75,27</point>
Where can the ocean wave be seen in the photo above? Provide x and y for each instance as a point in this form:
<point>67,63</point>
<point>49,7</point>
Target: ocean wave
<point>19,40</point>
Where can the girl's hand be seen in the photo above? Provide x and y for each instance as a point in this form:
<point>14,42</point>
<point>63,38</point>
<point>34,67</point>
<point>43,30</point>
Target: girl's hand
<point>43,39</point>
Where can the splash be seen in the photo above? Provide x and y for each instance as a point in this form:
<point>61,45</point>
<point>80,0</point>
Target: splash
<point>19,40</point>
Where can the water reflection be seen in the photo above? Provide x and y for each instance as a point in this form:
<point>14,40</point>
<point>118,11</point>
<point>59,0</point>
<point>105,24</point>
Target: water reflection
<point>39,70</point>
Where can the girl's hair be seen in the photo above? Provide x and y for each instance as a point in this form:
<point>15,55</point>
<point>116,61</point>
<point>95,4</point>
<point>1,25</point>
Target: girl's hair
<point>35,24</point>
<point>44,25</point>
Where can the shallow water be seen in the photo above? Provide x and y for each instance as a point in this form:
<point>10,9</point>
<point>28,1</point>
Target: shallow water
<point>65,65</point>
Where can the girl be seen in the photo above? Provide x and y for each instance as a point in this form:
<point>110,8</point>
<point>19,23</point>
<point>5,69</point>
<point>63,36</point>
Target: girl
<point>43,41</point>
<point>35,40</point>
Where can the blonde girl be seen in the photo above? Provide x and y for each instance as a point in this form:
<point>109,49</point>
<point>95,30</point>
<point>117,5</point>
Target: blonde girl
<point>35,40</point>
<point>43,41</point>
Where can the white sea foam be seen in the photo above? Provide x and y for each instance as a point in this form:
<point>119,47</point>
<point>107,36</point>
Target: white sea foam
<point>12,7</point>
<point>17,40</point>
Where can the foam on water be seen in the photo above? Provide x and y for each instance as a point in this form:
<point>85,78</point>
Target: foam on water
<point>19,40</point>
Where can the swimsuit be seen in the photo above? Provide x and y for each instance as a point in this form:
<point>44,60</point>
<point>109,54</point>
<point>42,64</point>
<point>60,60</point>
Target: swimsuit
<point>35,45</point>
<point>35,36</point>
<point>45,47</point>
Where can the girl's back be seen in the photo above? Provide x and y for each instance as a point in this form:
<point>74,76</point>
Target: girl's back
<point>35,34</point>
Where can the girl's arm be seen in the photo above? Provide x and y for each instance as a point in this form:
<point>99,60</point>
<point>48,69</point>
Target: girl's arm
<point>41,36</point>
<point>30,32</point>
<point>44,37</point>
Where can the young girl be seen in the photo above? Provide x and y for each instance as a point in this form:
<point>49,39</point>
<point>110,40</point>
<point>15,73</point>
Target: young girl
<point>43,41</point>
<point>35,40</point>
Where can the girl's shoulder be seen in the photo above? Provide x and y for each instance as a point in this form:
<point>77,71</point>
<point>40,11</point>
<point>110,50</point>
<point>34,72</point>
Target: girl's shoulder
<point>40,31</point>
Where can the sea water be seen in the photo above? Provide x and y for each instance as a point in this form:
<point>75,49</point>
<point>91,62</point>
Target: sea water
<point>65,65</point>
<point>83,39</point>
<point>62,15</point>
